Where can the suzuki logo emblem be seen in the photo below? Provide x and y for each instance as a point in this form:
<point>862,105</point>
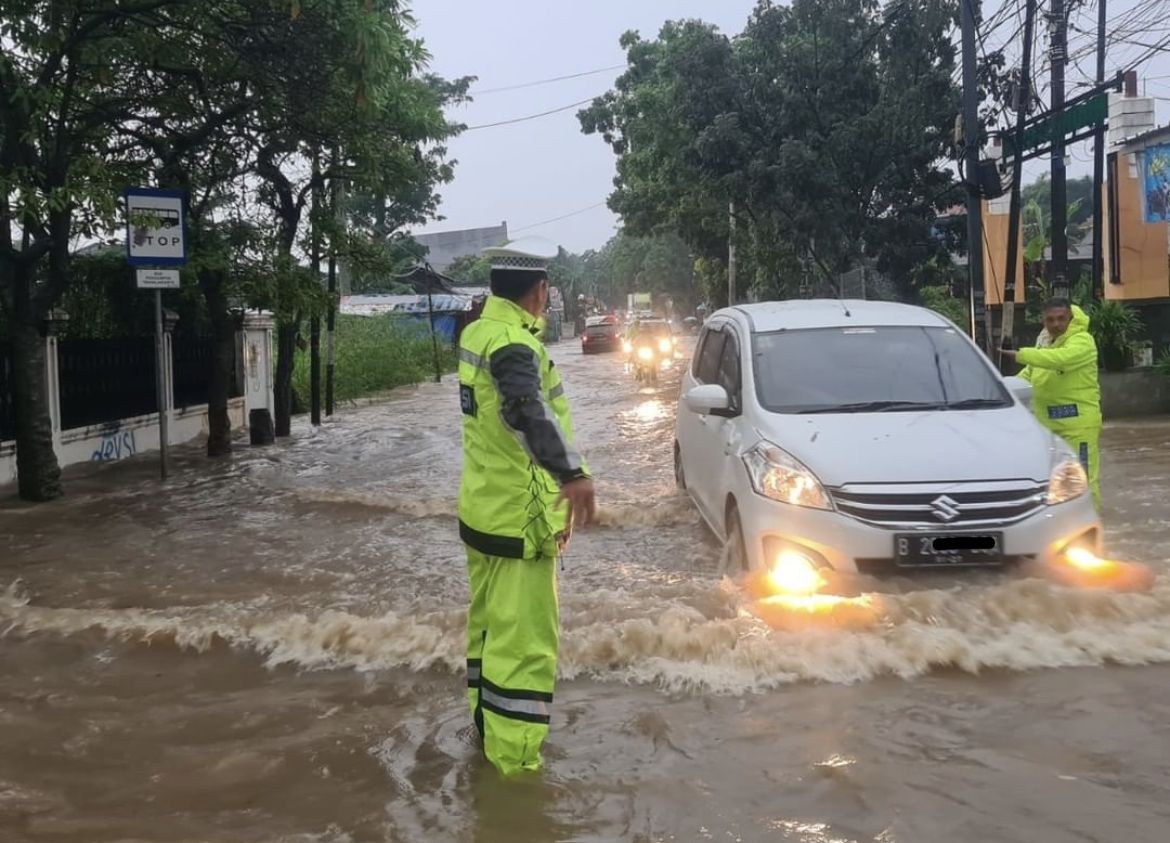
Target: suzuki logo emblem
<point>945,509</point>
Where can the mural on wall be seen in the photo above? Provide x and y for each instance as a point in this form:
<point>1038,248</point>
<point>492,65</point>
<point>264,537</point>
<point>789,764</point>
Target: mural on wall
<point>1156,178</point>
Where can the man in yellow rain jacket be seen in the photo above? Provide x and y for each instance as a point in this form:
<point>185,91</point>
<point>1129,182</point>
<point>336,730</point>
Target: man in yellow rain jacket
<point>524,488</point>
<point>1066,396</point>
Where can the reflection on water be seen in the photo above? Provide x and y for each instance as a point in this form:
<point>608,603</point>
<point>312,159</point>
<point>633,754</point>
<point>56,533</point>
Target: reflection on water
<point>271,648</point>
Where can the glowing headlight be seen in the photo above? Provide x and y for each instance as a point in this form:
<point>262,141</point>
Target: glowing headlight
<point>794,573</point>
<point>665,346</point>
<point>1067,482</point>
<point>645,353</point>
<point>627,346</point>
<point>778,475</point>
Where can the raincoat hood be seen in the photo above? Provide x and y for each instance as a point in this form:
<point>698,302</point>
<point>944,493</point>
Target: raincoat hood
<point>1078,325</point>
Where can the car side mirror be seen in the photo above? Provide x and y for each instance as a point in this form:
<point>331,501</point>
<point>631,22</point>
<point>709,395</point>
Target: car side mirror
<point>1021,389</point>
<point>708,400</point>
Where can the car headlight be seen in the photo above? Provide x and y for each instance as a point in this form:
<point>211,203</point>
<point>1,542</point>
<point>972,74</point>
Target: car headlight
<point>664,346</point>
<point>627,346</point>
<point>1067,482</point>
<point>778,475</point>
<point>645,353</point>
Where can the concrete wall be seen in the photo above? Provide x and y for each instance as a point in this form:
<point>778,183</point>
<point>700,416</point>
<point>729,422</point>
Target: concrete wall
<point>125,438</point>
<point>445,247</point>
<point>1137,392</point>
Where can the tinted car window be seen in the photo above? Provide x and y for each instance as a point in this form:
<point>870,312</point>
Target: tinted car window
<point>707,359</point>
<point>728,375</point>
<point>873,369</point>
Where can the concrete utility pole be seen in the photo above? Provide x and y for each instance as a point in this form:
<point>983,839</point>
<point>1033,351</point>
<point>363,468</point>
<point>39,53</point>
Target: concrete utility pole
<point>731,253</point>
<point>1099,169</point>
<point>1058,54</point>
<point>971,170</point>
<point>1008,332</point>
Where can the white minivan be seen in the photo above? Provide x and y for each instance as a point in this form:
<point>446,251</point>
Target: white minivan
<point>870,437</point>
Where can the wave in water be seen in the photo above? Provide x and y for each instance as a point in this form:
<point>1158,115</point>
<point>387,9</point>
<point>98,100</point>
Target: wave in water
<point>705,638</point>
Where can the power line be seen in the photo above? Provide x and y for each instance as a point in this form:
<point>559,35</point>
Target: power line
<point>550,80</point>
<point>558,219</point>
<point>530,116</point>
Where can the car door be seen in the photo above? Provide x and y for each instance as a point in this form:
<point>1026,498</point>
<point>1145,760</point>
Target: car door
<point>727,430</point>
<point>698,436</point>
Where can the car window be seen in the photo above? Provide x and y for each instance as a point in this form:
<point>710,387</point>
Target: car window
<point>707,358</point>
<point>728,375</point>
<point>870,369</point>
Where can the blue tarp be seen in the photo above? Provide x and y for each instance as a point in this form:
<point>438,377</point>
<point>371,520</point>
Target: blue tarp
<point>445,324</point>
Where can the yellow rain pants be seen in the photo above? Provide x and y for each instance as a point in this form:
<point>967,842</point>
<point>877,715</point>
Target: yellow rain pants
<point>512,636</point>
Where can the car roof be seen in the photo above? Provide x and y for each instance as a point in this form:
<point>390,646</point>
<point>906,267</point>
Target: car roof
<point>800,314</point>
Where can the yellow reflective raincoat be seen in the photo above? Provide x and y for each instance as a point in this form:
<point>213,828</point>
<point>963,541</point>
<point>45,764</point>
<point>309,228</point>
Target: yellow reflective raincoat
<point>517,453</point>
<point>1066,392</point>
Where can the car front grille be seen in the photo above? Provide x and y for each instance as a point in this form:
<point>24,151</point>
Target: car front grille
<point>941,507</point>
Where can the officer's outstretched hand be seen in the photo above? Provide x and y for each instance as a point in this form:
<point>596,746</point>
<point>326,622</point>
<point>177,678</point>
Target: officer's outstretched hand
<point>580,497</point>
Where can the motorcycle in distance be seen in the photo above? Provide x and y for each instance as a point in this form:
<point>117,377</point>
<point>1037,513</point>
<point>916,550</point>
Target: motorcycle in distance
<point>647,355</point>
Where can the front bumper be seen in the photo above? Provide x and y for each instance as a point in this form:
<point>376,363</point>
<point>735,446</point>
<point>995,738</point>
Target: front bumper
<point>848,545</point>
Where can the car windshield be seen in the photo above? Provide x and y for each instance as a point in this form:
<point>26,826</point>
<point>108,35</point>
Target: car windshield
<point>878,369</point>
<point>653,329</point>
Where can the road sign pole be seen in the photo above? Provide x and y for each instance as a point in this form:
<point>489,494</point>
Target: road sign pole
<point>160,362</point>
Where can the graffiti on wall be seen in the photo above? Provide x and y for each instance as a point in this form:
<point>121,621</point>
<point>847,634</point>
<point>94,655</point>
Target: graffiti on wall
<point>115,445</point>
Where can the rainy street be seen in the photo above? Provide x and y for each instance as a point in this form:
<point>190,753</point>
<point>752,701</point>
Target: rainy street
<point>270,648</point>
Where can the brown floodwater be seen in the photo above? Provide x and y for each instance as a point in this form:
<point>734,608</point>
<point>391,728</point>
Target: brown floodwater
<point>270,649</point>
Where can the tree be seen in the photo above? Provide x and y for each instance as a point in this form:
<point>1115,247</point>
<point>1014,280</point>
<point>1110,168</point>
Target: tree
<point>827,122</point>
<point>61,70</point>
<point>473,270</point>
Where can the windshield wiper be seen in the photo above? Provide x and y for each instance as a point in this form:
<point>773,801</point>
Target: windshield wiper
<point>876,407</point>
<point>976,403</point>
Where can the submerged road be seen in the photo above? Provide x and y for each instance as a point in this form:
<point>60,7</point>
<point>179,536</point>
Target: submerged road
<point>270,649</point>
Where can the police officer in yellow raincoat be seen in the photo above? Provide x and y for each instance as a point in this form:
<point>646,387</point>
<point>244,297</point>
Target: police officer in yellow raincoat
<point>1066,393</point>
<point>524,488</point>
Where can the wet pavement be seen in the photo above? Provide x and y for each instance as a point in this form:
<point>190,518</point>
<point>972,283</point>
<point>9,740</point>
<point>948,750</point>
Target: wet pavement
<point>270,649</point>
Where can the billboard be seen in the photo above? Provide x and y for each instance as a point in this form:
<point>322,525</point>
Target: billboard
<point>1156,181</point>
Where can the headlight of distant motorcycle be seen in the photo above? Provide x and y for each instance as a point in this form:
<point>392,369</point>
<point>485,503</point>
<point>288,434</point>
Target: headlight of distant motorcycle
<point>627,346</point>
<point>1067,482</point>
<point>645,353</point>
<point>778,475</point>
<point>665,346</point>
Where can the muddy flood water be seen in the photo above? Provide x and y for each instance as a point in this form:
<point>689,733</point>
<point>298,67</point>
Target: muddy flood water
<point>270,649</point>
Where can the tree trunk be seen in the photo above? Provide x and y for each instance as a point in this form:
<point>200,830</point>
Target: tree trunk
<point>223,361</point>
<point>38,472</point>
<point>286,349</point>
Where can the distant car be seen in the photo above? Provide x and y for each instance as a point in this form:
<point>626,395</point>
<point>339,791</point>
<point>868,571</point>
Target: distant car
<point>602,333</point>
<point>870,437</point>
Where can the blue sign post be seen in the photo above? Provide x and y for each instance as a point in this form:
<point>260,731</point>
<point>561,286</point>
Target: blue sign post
<point>156,246</point>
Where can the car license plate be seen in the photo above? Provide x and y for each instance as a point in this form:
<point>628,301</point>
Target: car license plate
<point>948,550</point>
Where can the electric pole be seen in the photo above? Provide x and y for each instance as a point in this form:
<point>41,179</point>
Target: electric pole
<point>331,318</point>
<point>1008,331</point>
<point>731,253</point>
<point>971,171</point>
<point>315,321</point>
<point>1099,170</point>
<point>1058,54</point>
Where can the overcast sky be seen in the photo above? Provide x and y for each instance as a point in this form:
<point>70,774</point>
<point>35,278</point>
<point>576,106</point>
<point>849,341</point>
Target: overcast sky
<point>538,170</point>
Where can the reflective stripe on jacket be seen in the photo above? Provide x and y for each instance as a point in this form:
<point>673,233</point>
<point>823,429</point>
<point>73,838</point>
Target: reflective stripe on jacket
<point>517,437</point>
<point>1066,394</point>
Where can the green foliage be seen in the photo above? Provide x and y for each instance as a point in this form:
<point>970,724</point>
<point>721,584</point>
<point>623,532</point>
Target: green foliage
<point>826,121</point>
<point>472,270</point>
<point>378,353</point>
<point>1162,365</point>
<point>1115,326</point>
<point>941,300</point>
